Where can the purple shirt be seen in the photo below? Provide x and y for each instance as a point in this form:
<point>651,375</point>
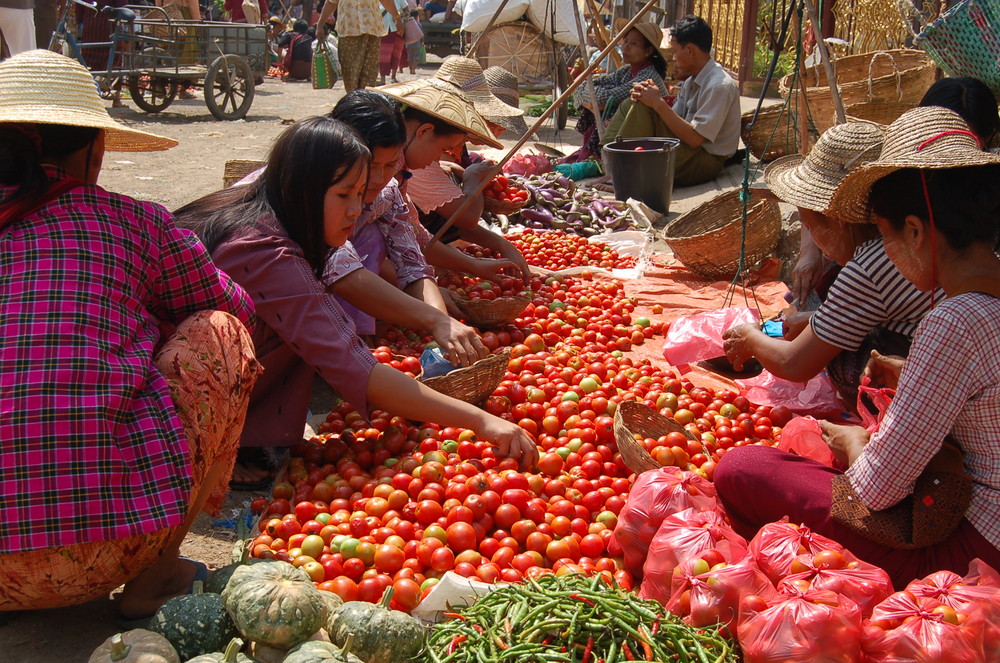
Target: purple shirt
<point>92,448</point>
<point>301,331</point>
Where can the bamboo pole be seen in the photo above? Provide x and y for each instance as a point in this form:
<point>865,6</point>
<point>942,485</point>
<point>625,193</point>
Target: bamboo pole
<point>600,31</point>
<point>586,58</point>
<point>824,55</point>
<point>538,123</point>
<point>804,113</point>
<point>493,19</point>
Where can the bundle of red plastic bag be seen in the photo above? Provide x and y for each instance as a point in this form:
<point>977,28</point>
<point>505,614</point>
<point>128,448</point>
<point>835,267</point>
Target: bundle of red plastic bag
<point>843,573</point>
<point>655,495</point>
<point>909,629</point>
<point>776,546</point>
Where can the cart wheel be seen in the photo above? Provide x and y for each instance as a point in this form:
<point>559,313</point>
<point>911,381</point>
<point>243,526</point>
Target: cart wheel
<point>562,82</point>
<point>150,93</point>
<point>229,87</point>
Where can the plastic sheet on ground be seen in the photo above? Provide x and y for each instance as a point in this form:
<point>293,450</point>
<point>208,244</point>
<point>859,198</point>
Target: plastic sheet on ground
<point>452,591</point>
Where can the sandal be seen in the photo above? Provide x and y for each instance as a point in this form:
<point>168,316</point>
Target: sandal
<point>254,458</point>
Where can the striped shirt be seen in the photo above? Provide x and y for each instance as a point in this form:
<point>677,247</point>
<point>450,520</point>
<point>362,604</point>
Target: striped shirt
<point>870,292</point>
<point>950,383</point>
<point>614,88</point>
<point>92,448</point>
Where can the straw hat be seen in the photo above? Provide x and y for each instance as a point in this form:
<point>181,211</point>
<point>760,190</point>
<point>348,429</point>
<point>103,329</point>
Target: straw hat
<point>928,138</point>
<point>653,34</point>
<point>42,87</point>
<point>810,181</point>
<point>503,84</point>
<point>467,75</point>
<point>443,101</point>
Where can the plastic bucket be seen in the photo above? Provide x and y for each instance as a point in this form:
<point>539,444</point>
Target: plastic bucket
<point>646,174</point>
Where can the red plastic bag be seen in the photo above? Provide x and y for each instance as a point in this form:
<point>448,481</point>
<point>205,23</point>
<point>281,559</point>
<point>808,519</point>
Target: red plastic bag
<point>776,546</point>
<point>919,630</point>
<point>699,336</point>
<point>872,398</point>
<point>865,584</point>
<point>981,573</point>
<point>803,436</point>
<point>817,397</point>
<point>817,626</point>
<point>655,495</point>
<point>684,536</point>
<point>704,598</point>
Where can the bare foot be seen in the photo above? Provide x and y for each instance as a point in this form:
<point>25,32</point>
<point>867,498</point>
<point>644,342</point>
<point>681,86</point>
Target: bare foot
<point>248,473</point>
<point>143,595</point>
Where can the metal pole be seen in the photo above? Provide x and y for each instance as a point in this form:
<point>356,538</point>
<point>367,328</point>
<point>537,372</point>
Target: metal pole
<point>493,19</point>
<point>586,58</point>
<point>538,123</point>
<point>824,55</point>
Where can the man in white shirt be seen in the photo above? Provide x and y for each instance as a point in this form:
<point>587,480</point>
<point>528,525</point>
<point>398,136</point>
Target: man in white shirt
<point>705,117</point>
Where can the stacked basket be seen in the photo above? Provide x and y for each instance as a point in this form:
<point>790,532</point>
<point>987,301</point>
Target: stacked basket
<point>633,419</point>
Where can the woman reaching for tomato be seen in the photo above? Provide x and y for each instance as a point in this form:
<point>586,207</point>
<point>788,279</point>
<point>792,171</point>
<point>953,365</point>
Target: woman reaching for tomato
<point>273,236</point>
<point>935,198</point>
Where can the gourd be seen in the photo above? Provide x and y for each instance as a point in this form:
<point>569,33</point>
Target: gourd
<point>275,603</point>
<point>380,634</point>
<point>321,652</point>
<point>231,655</point>
<point>218,579</point>
<point>135,646</point>
<point>195,623</point>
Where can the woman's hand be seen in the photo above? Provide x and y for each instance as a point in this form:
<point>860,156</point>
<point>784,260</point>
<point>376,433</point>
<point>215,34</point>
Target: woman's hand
<point>846,442</point>
<point>883,370</point>
<point>737,343</point>
<point>492,269</point>
<point>794,324</point>
<point>477,172</point>
<point>511,441</point>
<point>646,93</point>
<point>459,343</point>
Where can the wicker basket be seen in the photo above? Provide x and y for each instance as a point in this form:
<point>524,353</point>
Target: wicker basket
<point>492,312</point>
<point>877,112</point>
<point>633,418</point>
<point>785,139</point>
<point>237,169</point>
<point>901,75</point>
<point>707,239</point>
<point>508,207</point>
<point>964,41</point>
<point>473,384</point>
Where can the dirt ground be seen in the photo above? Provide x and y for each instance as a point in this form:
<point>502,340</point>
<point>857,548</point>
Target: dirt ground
<point>172,178</point>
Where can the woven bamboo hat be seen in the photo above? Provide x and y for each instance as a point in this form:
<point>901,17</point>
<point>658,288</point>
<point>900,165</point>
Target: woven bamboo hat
<point>42,87</point>
<point>810,181</point>
<point>445,102</point>
<point>503,84</point>
<point>467,75</point>
<point>926,138</point>
<point>653,34</point>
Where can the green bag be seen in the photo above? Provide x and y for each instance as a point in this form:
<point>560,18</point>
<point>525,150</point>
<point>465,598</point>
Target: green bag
<point>325,71</point>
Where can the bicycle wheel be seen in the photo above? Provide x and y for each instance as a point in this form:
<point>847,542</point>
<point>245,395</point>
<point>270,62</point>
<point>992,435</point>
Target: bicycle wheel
<point>229,87</point>
<point>152,93</point>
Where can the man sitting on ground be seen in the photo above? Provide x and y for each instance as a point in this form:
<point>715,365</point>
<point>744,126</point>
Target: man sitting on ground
<point>705,117</point>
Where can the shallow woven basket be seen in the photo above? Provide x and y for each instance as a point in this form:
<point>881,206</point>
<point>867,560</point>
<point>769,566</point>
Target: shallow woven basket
<point>237,169</point>
<point>633,418</point>
<point>508,207</point>
<point>707,239</point>
<point>901,75</point>
<point>785,139</point>
<point>492,312</point>
<point>473,384</point>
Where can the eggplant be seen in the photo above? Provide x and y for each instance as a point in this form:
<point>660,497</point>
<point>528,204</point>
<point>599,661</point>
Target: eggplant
<point>538,214</point>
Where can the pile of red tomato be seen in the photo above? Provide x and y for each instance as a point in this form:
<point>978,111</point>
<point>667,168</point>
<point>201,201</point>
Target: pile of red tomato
<point>501,189</point>
<point>555,250</point>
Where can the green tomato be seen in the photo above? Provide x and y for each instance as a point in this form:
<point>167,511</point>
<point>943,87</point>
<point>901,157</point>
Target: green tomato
<point>449,446</point>
<point>589,384</point>
<point>617,353</point>
<point>574,444</point>
<point>642,322</point>
<point>428,583</point>
<point>349,547</point>
<point>563,452</point>
<point>571,396</point>
<point>391,461</point>
<point>322,518</point>
<point>436,532</point>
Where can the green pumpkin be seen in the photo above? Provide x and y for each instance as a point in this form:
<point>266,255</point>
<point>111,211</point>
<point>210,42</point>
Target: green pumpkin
<point>275,603</point>
<point>135,646</point>
<point>316,651</point>
<point>195,623</point>
<point>230,655</point>
<point>218,579</point>
<point>381,635</point>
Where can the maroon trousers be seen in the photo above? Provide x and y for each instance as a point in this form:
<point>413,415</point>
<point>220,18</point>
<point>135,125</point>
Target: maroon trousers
<point>759,485</point>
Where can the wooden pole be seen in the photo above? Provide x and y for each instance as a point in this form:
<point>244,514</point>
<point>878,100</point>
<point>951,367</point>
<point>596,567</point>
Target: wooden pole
<point>586,58</point>
<point>824,55</point>
<point>804,111</point>
<point>600,31</point>
<point>479,38</point>
<point>538,123</point>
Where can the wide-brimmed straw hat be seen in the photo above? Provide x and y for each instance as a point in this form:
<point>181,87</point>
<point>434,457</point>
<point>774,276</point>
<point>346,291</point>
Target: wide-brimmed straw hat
<point>42,87</point>
<point>927,138</point>
<point>810,181</point>
<point>443,101</point>
<point>467,75</point>
<point>653,34</point>
<point>503,84</point>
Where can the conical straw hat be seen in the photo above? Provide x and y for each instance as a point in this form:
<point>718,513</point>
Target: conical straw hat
<point>42,87</point>
<point>503,84</point>
<point>443,101</point>
<point>467,75</point>
<point>810,181</point>
<point>926,138</point>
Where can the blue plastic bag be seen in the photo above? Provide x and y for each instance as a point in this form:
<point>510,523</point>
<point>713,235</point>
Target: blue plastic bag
<point>433,363</point>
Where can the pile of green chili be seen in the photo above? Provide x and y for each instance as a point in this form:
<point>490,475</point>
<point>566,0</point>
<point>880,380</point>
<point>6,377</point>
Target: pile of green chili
<point>570,619</point>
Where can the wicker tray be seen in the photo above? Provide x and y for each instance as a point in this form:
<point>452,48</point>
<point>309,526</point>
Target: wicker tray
<point>707,239</point>
<point>492,312</point>
<point>494,206</point>
<point>785,139</point>
<point>473,384</point>
<point>237,169</point>
<point>633,418</point>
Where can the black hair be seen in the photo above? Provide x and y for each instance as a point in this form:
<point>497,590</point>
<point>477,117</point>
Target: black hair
<point>23,149</point>
<point>693,30</point>
<point>966,202</point>
<point>373,115</point>
<point>300,26</point>
<point>441,127</point>
<point>970,98</point>
<point>309,157</point>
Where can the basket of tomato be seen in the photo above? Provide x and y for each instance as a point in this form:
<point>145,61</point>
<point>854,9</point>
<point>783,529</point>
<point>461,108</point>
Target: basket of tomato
<point>502,197</point>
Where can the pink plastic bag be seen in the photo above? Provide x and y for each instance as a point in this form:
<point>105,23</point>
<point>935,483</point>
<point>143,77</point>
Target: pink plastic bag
<point>981,573</point>
<point>811,627</point>
<point>655,495</point>
<point>870,398</point>
<point>714,597</point>
<point>817,397</point>
<point>699,336</point>
<point>776,546</point>
<point>803,436</point>
<point>914,631</point>
<point>684,536</point>
<point>865,584</point>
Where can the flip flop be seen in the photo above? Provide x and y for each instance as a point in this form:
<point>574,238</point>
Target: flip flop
<point>200,575</point>
<point>254,458</point>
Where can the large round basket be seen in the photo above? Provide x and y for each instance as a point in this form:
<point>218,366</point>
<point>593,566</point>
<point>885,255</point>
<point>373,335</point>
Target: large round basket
<point>508,207</point>
<point>877,112</point>
<point>518,47</point>
<point>773,135</point>
<point>492,312</point>
<point>901,75</point>
<point>707,239</point>
<point>473,384</point>
<point>633,419</point>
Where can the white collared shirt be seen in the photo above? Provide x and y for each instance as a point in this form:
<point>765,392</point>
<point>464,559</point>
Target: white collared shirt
<point>710,102</point>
